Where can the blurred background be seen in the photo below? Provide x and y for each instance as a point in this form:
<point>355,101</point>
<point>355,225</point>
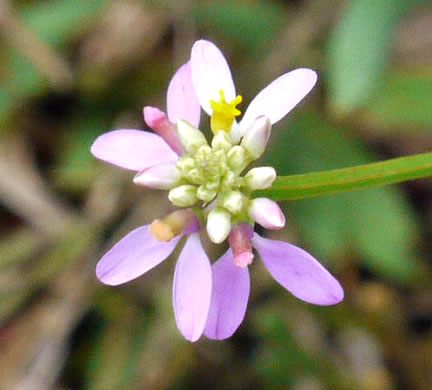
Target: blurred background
<point>71,70</point>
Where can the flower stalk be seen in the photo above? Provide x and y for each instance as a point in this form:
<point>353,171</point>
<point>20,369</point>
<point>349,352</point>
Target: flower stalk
<point>314,184</point>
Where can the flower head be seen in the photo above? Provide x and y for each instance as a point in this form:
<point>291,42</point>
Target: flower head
<point>208,181</point>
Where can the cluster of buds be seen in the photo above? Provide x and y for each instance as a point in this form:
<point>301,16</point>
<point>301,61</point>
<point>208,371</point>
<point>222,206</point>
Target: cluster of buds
<point>211,175</point>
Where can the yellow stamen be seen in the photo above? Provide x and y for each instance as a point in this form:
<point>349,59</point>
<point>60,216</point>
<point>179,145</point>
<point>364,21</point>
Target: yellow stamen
<point>172,225</point>
<point>224,113</point>
<point>161,231</point>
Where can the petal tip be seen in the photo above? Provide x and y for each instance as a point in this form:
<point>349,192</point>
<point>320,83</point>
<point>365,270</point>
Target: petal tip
<point>152,116</point>
<point>337,295</point>
<point>104,276</point>
<point>309,75</point>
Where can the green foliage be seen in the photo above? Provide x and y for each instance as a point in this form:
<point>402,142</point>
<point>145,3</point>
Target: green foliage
<point>56,22</point>
<point>283,358</point>
<point>358,51</point>
<point>76,168</point>
<point>404,101</point>
<point>253,25</point>
<point>47,278</point>
<point>116,350</point>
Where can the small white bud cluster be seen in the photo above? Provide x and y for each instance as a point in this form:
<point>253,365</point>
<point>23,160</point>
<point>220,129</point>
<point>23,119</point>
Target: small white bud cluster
<point>212,174</point>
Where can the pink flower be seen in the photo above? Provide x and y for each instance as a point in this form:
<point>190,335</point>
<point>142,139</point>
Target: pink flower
<point>209,176</point>
<point>292,267</point>
<point>154,156</point>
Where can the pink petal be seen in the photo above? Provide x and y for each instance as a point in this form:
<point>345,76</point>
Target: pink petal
<point>298,272</point>
<point>133,149</point>
<point>182,102</point>
<point>160,177</point>
<point>230,294</point>
<point>210,74</point>
<point>132,256</point>
<point>192,289</point>
<point>279,97</point>
<point>267,213</point>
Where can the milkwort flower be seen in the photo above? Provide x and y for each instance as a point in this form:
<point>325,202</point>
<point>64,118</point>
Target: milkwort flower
<point>154,158</point>
<point>233,212</point>
<point>206,181</point>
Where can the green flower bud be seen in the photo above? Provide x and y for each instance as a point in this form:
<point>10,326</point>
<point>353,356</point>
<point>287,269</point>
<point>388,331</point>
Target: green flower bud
<point>236,156</point>
<point>206,194</point>
<point>190,137</point>
<point>233,202</point>
<point>228,180</point>
<point>221,141</point>
<point>185,164</point>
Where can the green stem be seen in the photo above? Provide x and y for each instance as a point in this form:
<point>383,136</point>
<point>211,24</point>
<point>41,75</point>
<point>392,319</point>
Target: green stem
<point>339,180</point>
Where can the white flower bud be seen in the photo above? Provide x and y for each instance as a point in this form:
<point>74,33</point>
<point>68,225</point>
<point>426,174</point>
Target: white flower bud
<point>233,202</point>
<point>260,178</point>
<point>159,177</point>
<point>235,133</point>
<point>236,156</point>
<point>206,194</point>
<point>190,137</point>
<point>221,141</point>
<point>218,225</point>
<point>256,137</point>
<point>183,196</point>
<point>267,213</point>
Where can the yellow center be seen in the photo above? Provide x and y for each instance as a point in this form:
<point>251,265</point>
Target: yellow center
<point>224,113</point>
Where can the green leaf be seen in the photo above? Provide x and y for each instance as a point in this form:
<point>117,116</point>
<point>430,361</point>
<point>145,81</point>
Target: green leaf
<point>377,224</point>
<point>276,333</point>
<point>358,50</point>
<point>57,22</point>
<point>253,25</point>
<point>76,168</point>
<point>117,349</point>
<point>404,100</point>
